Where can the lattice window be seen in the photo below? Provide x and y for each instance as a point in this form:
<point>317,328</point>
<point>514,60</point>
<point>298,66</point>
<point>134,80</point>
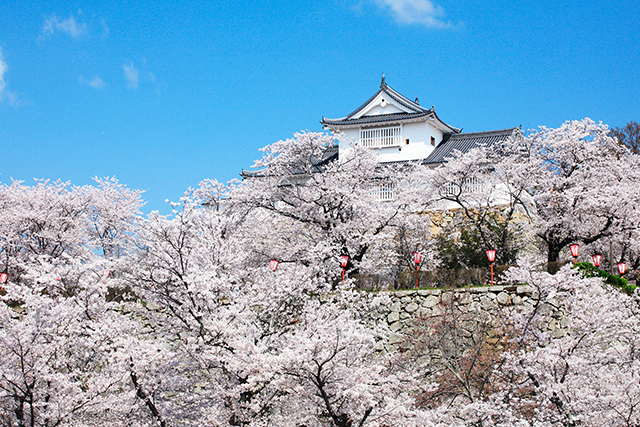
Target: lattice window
<point>385,191</point>
<point>470,185</point>
<point>381,137</point>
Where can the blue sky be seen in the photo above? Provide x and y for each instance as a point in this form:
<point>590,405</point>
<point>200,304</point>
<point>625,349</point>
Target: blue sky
<point>164,94</point>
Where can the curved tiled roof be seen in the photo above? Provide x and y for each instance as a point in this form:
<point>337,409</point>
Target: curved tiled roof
<point>375,119</point>
<point>464,142</point>
<point>415,109</point>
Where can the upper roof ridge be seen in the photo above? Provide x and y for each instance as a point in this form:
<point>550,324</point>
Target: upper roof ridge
<point>487,132</point>
<point>412,110</point>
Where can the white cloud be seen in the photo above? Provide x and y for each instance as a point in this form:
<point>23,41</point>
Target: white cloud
<point>69,26</point>
<point>140,76</point>
<point>131,75</point>
<point>96,82</point>
<point>423,12</point>
<point>4,93</point>
<point>3,70</point>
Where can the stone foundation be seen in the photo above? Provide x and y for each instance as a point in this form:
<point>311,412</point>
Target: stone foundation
<point>407,305</point>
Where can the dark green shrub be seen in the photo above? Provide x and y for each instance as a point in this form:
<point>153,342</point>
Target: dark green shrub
<point>460,245</point>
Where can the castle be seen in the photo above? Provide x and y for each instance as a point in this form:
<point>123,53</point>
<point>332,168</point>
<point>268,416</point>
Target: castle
<point>401,130</point>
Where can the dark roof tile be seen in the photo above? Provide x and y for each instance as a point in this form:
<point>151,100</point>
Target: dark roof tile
<point>375,119</point>
<point>465,142</point>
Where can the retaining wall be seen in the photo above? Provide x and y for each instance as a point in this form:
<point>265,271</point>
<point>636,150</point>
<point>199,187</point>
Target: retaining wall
<point>407,305</point>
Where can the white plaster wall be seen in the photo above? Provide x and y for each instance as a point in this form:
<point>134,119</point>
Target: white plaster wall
<point>419,147</point>
<point>351,135</point>
<point>378,110</point>
<point>375,108</point>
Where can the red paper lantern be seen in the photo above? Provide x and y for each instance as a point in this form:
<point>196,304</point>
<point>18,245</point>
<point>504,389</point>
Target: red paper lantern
<point>575,248</point>
<point>3,278</point>
<point>344,260</point>
<point>273,264</point>
<point>622,267</point>
<point>491,256</point>
<point>596,260</point>
<point>417,257</point>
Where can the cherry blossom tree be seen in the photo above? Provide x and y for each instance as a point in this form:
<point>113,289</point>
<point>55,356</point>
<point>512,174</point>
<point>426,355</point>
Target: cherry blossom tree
<point>318,208</point>
<point>54,222</point>
<point>571,184</point>
<point>109,318</point>
<point>64,358</point>
<point>477,192</point>
<point>245,344</point>
<point>112,214</point>
<point>331,369</point>
<point>588,373</point>
<point>61,342</point>
<point>582,184</point>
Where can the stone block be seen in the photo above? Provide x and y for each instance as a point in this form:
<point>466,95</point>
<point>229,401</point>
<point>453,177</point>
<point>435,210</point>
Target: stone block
<point>423,312</point>
<point>475,307</point>
<point>395,339</point>
<point>527,308</point>
<point>503,298</point>
<point>412,307</point>
<point>396,326</point>
<point>394,316</point>
<point>524,290</point>
<point>488,304</point>
<point>405,293</point>
<point>437,311</point>
<point>431,301</point>
<point>464,298</point>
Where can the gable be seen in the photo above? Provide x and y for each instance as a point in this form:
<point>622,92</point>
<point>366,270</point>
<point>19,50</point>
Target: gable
<point>382,103</point>
<point>387,105</point>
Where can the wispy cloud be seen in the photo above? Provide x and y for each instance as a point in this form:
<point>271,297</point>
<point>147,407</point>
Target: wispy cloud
<point>96,82</point>
<point>3,70</point>
<point>69,26</point>
<point>131,75</point>
<point>422,12</point>
<point>5,95</point>
<point>105,29</point>
<point>138,75</point>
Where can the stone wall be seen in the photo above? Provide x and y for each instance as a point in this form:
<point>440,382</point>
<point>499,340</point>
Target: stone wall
<point>406,305</point>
